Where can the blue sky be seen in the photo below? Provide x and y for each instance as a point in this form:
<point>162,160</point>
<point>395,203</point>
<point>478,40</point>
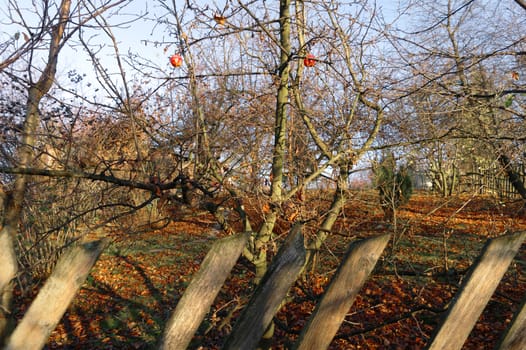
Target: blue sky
<point>130,38</point>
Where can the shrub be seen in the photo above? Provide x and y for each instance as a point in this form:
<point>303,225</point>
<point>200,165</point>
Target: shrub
<point>394,186</point>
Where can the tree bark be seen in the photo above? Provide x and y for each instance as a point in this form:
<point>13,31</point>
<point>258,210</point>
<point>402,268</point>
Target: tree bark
<point>338,202</point>
<point>521,3</point>
<point>14,202</point>
<point>278,159</point>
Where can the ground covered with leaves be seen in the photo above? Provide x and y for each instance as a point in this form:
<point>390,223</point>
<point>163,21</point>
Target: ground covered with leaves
<point>137,282</point>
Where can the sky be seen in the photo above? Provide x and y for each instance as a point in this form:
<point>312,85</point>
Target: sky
<point>130,38</point>
<point>73,57</point>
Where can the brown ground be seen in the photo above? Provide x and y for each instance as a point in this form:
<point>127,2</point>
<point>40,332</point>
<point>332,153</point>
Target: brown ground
<point>136,284</point>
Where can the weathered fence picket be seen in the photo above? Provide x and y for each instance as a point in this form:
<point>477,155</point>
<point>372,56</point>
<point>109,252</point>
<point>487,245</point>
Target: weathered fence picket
<point>55,296</point>
<point>476,291</point>
<point>515,336</point>
<point>269,294</point>
<point>200,294</point>
<point>358,263</point>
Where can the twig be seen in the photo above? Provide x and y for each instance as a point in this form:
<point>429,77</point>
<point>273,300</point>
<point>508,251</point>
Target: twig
<point>409,314</point>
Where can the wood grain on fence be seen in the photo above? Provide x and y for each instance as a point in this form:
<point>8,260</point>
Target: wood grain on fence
<point>359,261</point>
<point>203,289</point>
<point>53,299</point>
<point>476,291</point>
<point>515,337</point>
<point>270,293</point>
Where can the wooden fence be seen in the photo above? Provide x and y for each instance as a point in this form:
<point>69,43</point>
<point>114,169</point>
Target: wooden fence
<point>55,296</point>
<point>354,269</point>
<point>492,181</point>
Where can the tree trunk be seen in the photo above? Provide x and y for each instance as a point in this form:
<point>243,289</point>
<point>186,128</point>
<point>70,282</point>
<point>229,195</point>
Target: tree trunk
<point>337,204</point>
<point>14,202</point>
<point>8,271</point>
<point>278,159</point>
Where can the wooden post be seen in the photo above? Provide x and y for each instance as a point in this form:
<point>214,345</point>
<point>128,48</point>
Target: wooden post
<point>476,291</point>
<point>515,336</point>
<point>269,294</point>
<point>55,296</point>
<point>203,289</point>
<point>359,261</point>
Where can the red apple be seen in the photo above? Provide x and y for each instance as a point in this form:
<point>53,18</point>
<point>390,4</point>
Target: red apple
<point>310,60</point>
<point>176,60</point>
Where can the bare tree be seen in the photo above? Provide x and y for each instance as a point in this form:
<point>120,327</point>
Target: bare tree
<point>346,130</point>
<point>13,205</point>
<point>328,122</point>
<point>52,31</point>
<point>466,93</point>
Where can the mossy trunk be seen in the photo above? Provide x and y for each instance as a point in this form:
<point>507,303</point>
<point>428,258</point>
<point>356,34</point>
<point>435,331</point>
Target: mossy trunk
<point>280,131</point>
